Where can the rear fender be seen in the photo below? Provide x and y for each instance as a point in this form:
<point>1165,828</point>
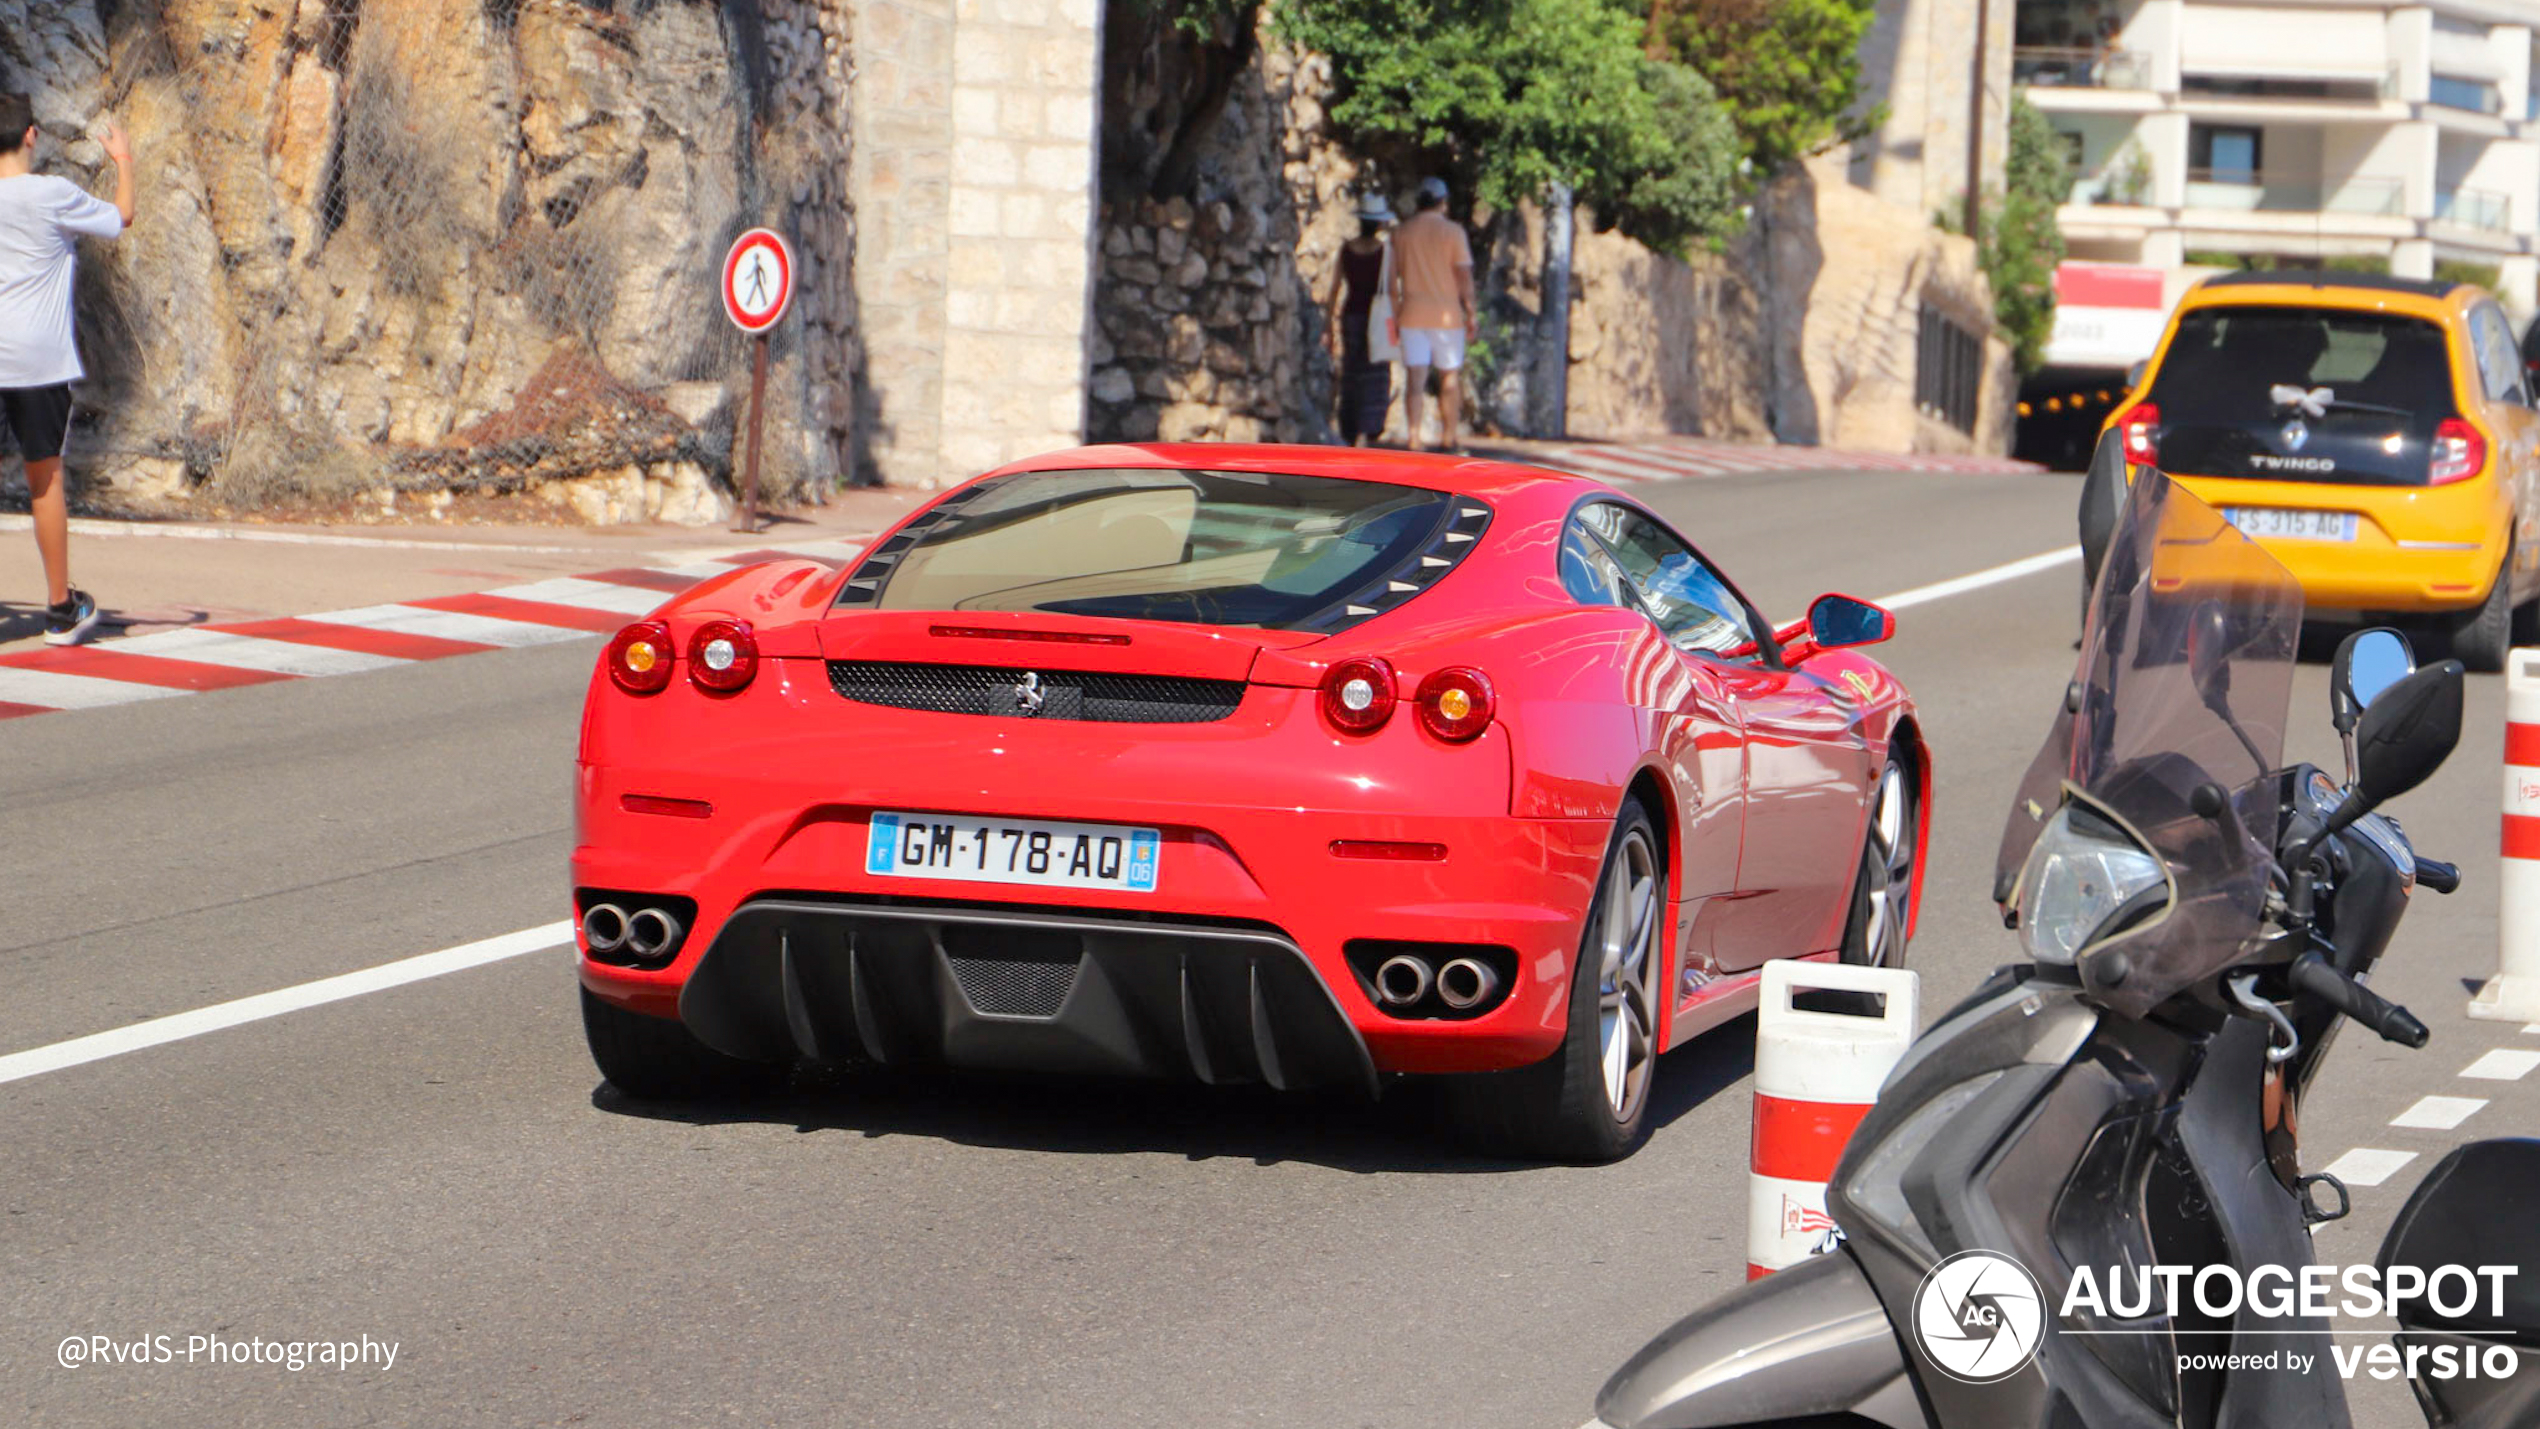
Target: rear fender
<point>1809,1340</point>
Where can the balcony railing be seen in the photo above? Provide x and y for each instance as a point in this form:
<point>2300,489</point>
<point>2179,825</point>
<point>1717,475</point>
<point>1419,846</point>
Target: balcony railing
<point>2475,208</point>
<point>2250,191</point>
<point>2080,67</point>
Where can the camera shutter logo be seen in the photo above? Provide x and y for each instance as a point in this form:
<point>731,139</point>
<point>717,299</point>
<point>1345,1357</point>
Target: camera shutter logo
<point>1979,1317</point>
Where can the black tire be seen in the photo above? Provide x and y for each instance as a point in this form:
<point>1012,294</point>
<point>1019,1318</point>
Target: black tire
<point>2481,638</point>
<point>1883,889</point>
<point>659,1059</point>
<point>1560,1109</point>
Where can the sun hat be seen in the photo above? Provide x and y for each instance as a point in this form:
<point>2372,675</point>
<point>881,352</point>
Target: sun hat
<point>1373,208</point>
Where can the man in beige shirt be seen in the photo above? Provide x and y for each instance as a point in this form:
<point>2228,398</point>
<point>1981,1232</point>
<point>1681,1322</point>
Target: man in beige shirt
<point>1434,313</point>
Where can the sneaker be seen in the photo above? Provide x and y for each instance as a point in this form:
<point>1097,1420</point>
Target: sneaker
<point>70,622</point>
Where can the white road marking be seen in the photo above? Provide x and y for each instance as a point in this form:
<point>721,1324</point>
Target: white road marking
<point>249,652</point>
<point>451,625</point>
<point>177,531</point>
<point>2368,1165</point>
<point>2505,1064</point>
<point>52,689</point>
<point>588,595</point>
<point>1995,575</point>
<point>2439,1113</point>
<point>178,1026</point>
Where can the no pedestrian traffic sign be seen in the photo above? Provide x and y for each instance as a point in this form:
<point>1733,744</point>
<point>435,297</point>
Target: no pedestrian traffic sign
<point>758,280</point>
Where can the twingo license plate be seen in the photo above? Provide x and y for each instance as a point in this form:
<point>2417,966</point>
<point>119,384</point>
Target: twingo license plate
<point>2297,525</point>
<point>966,848</point>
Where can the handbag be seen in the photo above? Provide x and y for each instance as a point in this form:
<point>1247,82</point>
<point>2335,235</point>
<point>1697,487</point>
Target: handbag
<point>1380,344</point>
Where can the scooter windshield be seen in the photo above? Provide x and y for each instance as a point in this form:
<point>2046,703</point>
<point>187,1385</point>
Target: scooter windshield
<point>2175,717</point>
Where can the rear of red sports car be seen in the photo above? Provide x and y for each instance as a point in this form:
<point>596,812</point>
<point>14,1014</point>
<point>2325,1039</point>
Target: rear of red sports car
<point>1187,762</point>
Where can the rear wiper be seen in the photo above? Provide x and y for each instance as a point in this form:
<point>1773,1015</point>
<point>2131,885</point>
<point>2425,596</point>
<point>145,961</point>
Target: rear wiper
<point>2318,400</point>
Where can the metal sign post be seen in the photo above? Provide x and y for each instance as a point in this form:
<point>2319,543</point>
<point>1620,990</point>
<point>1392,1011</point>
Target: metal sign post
<point>758,285</point>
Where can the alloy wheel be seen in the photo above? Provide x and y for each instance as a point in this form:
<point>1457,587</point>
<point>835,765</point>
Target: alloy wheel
<point>1627,1003</point>
<point>1889,867</point>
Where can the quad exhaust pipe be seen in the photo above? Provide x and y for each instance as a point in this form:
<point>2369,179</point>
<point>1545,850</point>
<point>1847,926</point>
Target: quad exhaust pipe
<point>652,933</point>
<point>643,935</point>
<point>604,928</point>
<point>1466,983</point>
<point>1402,980</point>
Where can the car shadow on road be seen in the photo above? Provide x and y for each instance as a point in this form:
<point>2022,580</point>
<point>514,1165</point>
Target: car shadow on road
<point>1407,1130</point>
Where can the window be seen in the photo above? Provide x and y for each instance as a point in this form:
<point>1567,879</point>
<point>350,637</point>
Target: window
<point>1948,370</point>
<point>2499,364</point>
<point>2225,154</point>
<point>2476,96</point>
<point>1613,551</point>
<point>1207,547</point>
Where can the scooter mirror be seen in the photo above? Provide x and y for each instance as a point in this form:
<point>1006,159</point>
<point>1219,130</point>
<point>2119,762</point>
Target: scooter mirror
<point>2404,736</point>
<point>2209,651</point>
<point>2368,663</point>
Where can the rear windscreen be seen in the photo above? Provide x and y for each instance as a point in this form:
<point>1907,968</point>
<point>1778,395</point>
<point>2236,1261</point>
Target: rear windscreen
<point>1204,547</point>
<point>2311,394</point>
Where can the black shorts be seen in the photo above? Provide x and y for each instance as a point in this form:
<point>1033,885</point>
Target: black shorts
<point>41,418</point>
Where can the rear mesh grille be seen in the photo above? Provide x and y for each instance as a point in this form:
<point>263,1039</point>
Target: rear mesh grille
<point>1004,987</point>
<point>1062,694</point>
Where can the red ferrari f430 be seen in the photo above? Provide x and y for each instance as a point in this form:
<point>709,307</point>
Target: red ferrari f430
<point>1244,763</point>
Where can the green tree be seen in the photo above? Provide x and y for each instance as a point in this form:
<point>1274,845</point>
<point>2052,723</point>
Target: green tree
<point>2020,244</point>
<point>1508,97</point>
<point>1788,71</point>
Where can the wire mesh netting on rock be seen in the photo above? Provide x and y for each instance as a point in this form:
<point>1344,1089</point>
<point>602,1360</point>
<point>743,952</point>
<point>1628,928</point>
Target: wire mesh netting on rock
<point>465,245</point>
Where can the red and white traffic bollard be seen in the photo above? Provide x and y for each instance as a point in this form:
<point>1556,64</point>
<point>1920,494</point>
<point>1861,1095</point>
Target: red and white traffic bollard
<point>1816,1074</point>
<point>2514,992</point>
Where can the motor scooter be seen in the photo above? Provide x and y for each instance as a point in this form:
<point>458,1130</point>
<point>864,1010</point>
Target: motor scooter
<point>2117,1117</point>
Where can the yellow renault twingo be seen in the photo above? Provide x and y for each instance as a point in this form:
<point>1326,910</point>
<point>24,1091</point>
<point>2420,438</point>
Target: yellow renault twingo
<point>2375,434</point>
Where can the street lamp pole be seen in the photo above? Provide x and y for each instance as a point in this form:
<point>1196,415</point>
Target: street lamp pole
<point>1975,124</point>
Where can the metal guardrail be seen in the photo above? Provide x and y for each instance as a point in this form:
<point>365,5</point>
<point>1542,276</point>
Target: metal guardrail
<point>2254,191</point>
<point>2481,209</point>
<point>2080,67</point>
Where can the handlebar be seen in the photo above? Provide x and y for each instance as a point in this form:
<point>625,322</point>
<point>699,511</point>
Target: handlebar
<point>2316,976</point>
<point>2442,877</point>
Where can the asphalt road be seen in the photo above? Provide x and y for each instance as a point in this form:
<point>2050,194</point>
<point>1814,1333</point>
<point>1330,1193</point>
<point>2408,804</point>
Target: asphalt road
<point>437,1165</point>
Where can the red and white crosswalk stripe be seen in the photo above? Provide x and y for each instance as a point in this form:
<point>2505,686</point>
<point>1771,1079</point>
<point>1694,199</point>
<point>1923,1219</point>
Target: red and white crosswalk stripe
<point>167,663</point>
<point>1682,458</point>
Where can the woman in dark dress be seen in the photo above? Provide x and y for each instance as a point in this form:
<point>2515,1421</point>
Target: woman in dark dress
<point>1366,385</point>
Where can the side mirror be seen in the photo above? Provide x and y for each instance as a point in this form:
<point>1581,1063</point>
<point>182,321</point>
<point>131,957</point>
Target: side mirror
<point>2134,373</point>
<point>1835,621</point>
<point>2368,663</point>
<point>2403,737</point>
<point>2209,651</point>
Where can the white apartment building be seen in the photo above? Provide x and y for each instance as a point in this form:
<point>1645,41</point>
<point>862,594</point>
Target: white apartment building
<point>2310,130</point>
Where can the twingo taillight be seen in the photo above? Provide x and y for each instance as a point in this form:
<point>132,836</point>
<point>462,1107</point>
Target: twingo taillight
<point>722,655</point>
<point>1455,703</point>
<point>2458,451</point>
<point>639,658</point>
<point>1358,695</point>
<point>2135,426</point>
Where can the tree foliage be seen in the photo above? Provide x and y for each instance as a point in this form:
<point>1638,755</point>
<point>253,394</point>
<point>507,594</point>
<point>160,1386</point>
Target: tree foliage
<point>1507,97</point>
<point>1788,71</point>
<point>2020,244</point>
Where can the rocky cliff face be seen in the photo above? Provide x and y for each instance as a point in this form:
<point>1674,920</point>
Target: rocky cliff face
<point>1802,329</point>
<point>412,244</point>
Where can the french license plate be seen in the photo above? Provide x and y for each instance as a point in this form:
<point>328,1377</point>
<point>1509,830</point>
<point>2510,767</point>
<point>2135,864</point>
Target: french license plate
<point>1039,852</point>
<point>2298,525</point>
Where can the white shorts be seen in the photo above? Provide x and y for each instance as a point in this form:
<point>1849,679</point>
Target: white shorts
<point>1438,347</point>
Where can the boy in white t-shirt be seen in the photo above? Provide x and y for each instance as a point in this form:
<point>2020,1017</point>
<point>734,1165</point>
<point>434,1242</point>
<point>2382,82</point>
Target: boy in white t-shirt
<point>41,221</point>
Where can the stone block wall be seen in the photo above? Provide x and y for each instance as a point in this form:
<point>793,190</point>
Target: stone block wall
<point>975,191</point>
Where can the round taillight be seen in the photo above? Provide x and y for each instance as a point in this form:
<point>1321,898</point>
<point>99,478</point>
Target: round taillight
<point>1456,703</point>
<point>1358,695</point>
<point>722,655</point>
<point>639,658</point>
